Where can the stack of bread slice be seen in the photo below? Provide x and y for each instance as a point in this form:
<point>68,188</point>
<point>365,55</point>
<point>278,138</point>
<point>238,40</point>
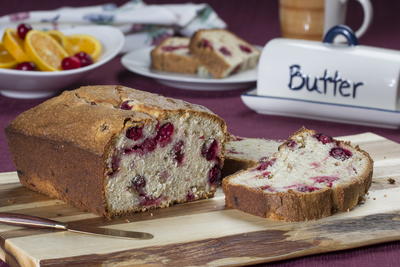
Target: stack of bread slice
<point>212,53</point>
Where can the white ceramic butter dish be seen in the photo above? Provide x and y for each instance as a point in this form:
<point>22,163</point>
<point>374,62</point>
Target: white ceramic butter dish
<point>336,82</point>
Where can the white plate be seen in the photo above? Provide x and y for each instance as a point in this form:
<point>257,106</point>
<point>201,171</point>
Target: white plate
<point>138,61</point>
<point>37,84</point>
<point>321,111</point>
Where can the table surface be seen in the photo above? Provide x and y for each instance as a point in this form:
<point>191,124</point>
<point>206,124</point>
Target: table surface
<point>258,22</point>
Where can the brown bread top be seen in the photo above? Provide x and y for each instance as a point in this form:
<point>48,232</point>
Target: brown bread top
<point>89,117</point>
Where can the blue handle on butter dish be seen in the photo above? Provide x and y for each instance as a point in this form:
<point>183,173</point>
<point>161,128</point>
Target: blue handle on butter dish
<point>343,30</point>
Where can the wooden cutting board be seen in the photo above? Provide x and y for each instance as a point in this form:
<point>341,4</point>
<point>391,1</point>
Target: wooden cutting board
<point>204,232</point>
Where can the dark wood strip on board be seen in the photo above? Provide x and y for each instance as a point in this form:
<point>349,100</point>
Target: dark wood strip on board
<point>253,247</point>
<point>197,253</point>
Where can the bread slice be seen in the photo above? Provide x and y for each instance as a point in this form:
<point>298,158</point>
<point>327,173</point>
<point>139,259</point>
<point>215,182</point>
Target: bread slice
<point>310,177</point>
<point>114,150</point>
<point>222,52</point>
<point>242,153</point>
<point>173,55</point>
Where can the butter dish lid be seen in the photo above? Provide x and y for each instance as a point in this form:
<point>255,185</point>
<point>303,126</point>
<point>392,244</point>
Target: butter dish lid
<point>347,83</point>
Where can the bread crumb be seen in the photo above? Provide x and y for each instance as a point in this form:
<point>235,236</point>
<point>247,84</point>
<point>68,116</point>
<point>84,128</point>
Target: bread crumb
<point>391,181</point>
<point>348,210</point>
<point>384,195</point>
<point>127,221</point>
<point>11,201</point>
<point>151,214</point>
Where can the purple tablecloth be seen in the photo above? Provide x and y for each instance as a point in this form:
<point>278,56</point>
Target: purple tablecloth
<point>256,21</point>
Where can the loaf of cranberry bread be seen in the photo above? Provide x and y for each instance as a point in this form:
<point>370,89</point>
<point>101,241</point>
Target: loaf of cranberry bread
<point>114,150</point>
<point>222,53</point>
<point>242,153</point>
<point>310,177</point>
<point>173,55</point>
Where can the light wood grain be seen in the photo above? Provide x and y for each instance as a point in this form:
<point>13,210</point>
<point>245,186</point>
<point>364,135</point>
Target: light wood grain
<point>204,232</point>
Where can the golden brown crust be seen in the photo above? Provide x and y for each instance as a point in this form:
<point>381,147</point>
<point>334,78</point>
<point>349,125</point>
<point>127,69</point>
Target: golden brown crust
<point>173,62</point>
<point>297,206</point>
<point>87,120</point>
<point>59,170</point>
<point>64,143</point>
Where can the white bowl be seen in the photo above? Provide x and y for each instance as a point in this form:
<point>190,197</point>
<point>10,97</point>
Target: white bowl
<point>37,84</point>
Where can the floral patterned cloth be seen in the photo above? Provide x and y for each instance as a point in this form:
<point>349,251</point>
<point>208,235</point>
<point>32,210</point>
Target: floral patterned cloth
<point>142,24</point>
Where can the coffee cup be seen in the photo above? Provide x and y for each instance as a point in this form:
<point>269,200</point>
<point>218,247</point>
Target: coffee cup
<point>310,19</point>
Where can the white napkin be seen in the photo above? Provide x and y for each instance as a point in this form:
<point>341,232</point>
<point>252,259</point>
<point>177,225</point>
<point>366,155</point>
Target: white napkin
<point>144,25</point>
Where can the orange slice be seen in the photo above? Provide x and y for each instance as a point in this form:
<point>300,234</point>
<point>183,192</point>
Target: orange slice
<point>46,52</point>
<point>6,60</point>
<point>62,40</point>
<point>14,45</point>
<point>85,43</point>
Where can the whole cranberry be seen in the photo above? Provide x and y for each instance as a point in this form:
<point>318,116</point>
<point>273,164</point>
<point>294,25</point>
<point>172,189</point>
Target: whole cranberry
<point>211,152</point>
<point>179,155</point>
<point>125,105</point>
<point>245,49</point>
<point>204,43</point>
<point>69,63</point>
<point>225,51</point>
<point>323,138</point>
<point>26,66</point>
<point>85,58</point>
<point>340,153</point>
<point>23,29</point>
<point>164,134</point>
<point>134,133</point>
<point>214,175</point>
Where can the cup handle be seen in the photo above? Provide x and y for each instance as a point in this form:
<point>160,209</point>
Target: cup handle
<point>368,13</point>
<point>343,30</point>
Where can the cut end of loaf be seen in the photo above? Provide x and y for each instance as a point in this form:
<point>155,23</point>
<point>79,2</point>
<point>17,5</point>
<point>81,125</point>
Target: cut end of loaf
<point>174,160</point>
